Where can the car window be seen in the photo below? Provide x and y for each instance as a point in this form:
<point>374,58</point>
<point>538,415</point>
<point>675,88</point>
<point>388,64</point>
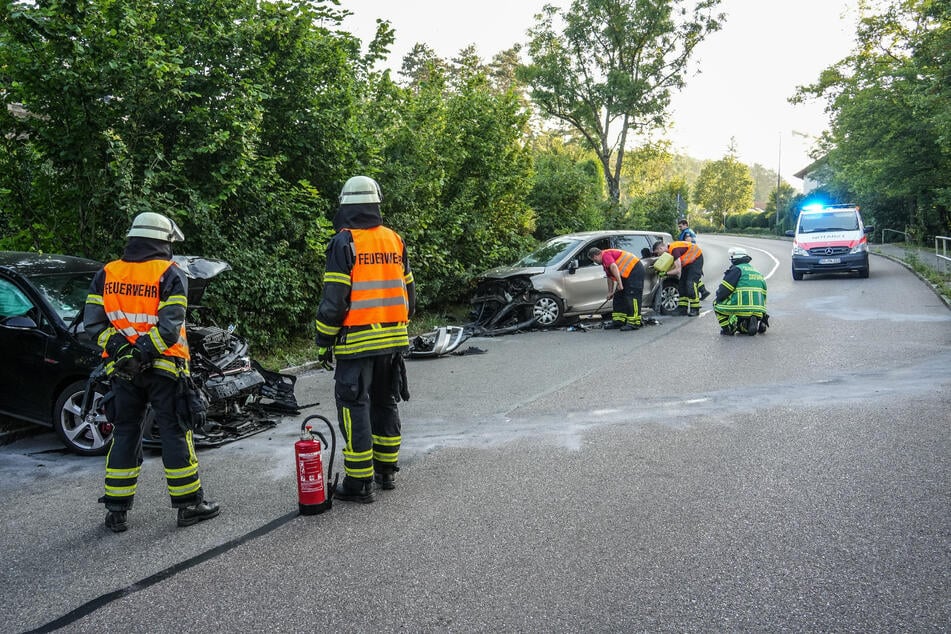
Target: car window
<point>830,221</point>
<point>66,292</point>
<point>549,253</point>
<point>633,244</point>
<point>600,243</point>
<point>13,302</point>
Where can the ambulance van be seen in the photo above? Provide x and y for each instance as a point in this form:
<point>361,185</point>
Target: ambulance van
<point>830,239</point>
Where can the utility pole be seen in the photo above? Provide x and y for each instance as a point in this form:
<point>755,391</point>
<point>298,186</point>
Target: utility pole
<point>779,168</point>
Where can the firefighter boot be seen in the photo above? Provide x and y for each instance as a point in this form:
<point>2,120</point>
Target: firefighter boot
<point>355,490</point>
<point>385,479</point>
<point>116,521</point>
<point>753,326</point>
<point>188,515</point>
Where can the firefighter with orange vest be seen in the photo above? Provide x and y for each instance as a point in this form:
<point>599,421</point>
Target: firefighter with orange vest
<point>688,264</point>
<point>625,273</point>
<point>135,310</point>
<point>368,298</point>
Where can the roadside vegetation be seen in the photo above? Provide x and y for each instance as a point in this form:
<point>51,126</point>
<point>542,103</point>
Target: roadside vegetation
<point>243,119</point>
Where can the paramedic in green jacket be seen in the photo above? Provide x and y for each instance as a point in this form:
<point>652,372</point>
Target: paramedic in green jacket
<point>740,303</point>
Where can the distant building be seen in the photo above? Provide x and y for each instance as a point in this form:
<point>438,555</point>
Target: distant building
<point>812,175</point>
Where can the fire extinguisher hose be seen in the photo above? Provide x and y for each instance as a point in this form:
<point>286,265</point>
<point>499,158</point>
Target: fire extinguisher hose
<point>333,449</point>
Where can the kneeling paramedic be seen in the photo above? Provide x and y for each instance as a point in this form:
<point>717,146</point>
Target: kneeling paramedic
<point>136,312</point>
<point>740,303</point>
<point>368,298</point>
<point>625,273</point>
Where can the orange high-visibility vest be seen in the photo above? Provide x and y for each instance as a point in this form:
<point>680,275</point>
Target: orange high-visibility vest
<point>690,251</point>
<point>625,261</point>
<point>130,297</point>
<point>378,290</point>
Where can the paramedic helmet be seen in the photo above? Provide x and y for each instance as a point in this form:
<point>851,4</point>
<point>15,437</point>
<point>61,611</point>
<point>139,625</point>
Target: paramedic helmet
<point>738,254</point>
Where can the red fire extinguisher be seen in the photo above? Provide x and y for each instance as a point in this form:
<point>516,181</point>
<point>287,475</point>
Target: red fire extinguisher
<point>313,496</point>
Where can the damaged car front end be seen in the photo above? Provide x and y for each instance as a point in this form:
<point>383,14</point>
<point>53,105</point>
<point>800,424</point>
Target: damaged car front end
<point>558,282</point>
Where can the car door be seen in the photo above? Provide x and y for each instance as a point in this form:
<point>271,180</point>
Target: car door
<point>636,244</point>
<point>24,338</point>
<point>586,289</point>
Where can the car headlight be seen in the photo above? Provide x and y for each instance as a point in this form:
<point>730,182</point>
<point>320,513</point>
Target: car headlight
<point>861,247</point>
<point>798,250</point>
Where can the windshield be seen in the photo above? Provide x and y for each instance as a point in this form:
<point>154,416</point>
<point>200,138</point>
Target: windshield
<point>831,221</point>
<point>549,253</point>
<point>66,292</point>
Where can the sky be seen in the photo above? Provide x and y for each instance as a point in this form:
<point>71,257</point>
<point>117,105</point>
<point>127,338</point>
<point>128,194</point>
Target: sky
<point>738,82</point>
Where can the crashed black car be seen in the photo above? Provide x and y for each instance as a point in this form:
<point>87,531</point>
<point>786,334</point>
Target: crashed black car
<point>557,281</point>
<point>49,358</point>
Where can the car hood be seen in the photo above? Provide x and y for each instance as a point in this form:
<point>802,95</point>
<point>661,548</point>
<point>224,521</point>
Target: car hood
<point>199,271</point>
<point>502,272</point>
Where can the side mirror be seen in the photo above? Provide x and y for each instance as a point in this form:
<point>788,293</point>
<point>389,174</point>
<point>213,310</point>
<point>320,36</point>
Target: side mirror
<point>18,322</point>
<point>790,233</point>
<point>573,266</point>
<point>869,229</point>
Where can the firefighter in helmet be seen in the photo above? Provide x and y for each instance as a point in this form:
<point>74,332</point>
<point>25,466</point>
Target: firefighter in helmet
<point>740,302</point>
<point>688,264</point>
<point>368,298</point>
<point>135,310</point>
<point>625,273</point>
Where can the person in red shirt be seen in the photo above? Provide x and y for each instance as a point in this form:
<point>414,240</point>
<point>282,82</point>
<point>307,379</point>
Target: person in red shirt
<point>625,273</point>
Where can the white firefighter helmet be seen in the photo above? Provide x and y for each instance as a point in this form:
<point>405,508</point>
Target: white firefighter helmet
<point>360,189</point>
<point>156,226</point>
<point>738,253</point>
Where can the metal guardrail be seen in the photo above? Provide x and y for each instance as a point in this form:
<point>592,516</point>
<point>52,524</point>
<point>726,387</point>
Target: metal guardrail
<point>907,237</point>
<point>943,251</point>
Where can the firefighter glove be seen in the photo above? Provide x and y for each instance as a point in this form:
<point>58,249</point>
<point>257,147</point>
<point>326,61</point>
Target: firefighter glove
<point>325,358</point>
<point>128,361</point>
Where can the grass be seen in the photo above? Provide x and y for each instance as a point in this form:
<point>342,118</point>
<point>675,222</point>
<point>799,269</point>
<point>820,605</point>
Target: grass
<point>304,350</point>
<point>941,281</point>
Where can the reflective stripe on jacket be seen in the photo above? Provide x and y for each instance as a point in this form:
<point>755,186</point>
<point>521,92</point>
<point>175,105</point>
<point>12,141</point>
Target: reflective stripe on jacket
<point>747,297</point>
<point>131,299</point>
<point>625,261</point>
<point>686,252</point>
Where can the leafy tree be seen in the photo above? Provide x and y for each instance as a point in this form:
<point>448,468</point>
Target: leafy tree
<point>764,182</point>
<point>785,196</point>
<point>889,142</point>
<point>724,187</point>
<point>567,189</point>
<point>612,67</point>
<point>456,175</point>
<point>231,117</point>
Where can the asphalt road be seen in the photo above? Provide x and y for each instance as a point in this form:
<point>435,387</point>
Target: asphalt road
<point>668,479</point>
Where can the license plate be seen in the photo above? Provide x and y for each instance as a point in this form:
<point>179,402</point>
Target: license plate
<point>830,261</point>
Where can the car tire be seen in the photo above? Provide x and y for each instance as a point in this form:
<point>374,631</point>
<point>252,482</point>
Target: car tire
<point>863,273</point>
<point>796,275</point>
<point>80,436</point>
<point>548,310</point>
<point>669,298</point>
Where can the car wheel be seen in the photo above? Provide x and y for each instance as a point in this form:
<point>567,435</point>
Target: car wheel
<point>547,310</point>
<point>81,436</point>
<point>863,273</point>
<point>669,299</point>
<point>796,275</point>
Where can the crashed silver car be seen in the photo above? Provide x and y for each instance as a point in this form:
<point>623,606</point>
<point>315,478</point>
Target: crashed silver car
<point>557,282</point>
